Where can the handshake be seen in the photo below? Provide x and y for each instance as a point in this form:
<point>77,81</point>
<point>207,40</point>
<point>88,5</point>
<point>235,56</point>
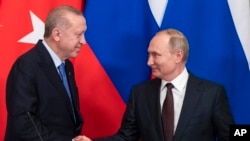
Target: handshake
<point>81,138</point>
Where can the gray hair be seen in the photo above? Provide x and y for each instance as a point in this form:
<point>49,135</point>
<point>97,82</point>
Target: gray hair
<point>177,40</point>
<point>57,17</point>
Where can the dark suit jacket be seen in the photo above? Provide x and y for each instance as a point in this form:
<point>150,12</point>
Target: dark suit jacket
<point>205,114</point>
<point>34,86</point>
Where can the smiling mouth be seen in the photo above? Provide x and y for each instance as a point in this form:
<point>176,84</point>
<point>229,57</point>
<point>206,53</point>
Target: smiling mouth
<point>77,48</point>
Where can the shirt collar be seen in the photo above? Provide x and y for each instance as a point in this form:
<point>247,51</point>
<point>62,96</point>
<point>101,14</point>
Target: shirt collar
<point>179,82</point>
<point>57,61</point>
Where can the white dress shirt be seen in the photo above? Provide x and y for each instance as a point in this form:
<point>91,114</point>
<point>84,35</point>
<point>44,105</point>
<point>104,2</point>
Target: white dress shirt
<point>180,83</point>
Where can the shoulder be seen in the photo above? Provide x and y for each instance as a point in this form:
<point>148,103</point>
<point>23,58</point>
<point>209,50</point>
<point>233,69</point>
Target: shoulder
<point>148,84</point>
<point>28,60</point>
<point>32,54</point>
<point>204,86</point>
<point>203,81</point>
<point>149,87</point>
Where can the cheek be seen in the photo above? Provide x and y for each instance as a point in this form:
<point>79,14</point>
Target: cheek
<point>71,44</point>
<point>165,66</point>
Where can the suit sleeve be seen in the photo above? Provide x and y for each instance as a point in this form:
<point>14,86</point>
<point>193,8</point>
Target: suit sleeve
<point>128,130</point>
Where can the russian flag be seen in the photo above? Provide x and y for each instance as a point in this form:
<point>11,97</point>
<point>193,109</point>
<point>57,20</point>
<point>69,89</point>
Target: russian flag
<point>118,36</point>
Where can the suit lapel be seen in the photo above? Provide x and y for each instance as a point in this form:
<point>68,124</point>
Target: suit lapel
<point>192,96</point>
<point>73,89</point>
<point>153,100</point>
<point>72,85</point>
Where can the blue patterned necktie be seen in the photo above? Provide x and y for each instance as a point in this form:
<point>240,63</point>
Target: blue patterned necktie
<point>63,76</point>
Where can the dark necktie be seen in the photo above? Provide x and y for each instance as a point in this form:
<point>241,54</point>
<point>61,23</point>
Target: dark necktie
<point>168,114</point>
<point>63,76</point>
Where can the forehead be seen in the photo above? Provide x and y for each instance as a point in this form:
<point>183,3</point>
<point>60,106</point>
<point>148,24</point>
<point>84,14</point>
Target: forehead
<point>159,42</point>
<point>75,19</point>
<point>77,22</point>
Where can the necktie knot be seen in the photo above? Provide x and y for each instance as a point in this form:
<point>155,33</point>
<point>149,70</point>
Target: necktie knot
<point>61,69</point>
<point>62,65</point>
<point>169,86</point>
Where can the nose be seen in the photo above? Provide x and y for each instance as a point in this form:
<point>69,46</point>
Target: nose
<point>83,40</point>
<point>150,60</point>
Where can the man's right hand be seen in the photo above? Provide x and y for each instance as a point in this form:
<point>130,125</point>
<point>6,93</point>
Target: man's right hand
<point>81,138</point>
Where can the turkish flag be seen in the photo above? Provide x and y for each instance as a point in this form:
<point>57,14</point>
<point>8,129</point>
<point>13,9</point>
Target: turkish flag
<point>21,25</point>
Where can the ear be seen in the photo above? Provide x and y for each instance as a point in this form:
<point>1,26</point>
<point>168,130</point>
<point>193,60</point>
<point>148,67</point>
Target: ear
<point>179,55</point>
<point>56,32</point>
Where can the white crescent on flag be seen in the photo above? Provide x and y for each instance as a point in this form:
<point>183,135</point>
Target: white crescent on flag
<point>240,11</point>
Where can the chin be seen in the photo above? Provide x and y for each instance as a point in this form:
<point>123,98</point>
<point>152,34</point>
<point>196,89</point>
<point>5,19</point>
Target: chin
<point>155,74</point>
<point>74,55</point>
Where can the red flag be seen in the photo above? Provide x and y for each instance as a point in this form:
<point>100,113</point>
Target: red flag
<point>100,102</point>
<point>21,23</point>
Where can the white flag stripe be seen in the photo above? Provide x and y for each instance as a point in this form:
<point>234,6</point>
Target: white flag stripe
<point>158,8</point>
<point>240,10</point>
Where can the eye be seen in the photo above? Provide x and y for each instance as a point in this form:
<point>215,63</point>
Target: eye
<point>78,35</point>
<point>155,54</point>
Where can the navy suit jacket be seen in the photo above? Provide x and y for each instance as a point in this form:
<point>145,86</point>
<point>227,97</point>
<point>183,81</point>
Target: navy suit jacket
<point>34,86</point>
<point>205,114</point>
